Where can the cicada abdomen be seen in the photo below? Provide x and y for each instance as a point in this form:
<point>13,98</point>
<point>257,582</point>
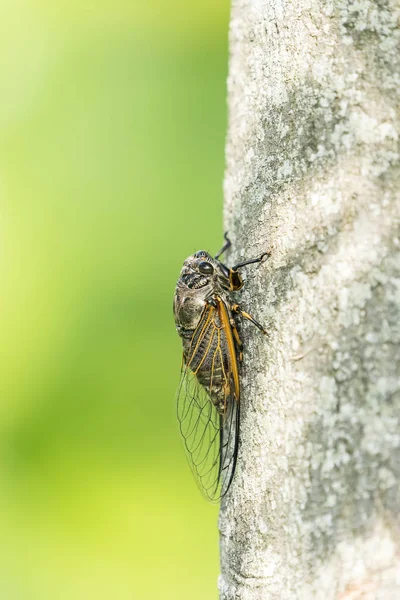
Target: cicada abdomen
<point>208,402</point>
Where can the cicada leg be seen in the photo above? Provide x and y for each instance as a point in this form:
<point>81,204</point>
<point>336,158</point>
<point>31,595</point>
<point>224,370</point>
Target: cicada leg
<point>251,261</point>
<point>235,279</point>
<point>237,339</point>
<point>225,247</point>
<point>236,308</point>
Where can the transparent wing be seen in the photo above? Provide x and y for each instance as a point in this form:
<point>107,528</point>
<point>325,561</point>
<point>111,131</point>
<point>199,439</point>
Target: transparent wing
<point>211,436</point>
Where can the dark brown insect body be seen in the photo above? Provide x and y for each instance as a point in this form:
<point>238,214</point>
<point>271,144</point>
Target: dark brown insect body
<point>206,319</point>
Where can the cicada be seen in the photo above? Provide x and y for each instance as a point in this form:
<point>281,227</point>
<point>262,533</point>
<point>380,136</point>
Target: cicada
<point>208,399</point>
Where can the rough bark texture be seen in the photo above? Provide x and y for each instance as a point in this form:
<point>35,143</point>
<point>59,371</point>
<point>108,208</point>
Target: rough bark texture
<point>313,173</point>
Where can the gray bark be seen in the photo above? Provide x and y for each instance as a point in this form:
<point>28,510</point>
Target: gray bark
<point>313,174</point>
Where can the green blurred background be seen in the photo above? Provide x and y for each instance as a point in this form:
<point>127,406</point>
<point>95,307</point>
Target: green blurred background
<point>113,118</point>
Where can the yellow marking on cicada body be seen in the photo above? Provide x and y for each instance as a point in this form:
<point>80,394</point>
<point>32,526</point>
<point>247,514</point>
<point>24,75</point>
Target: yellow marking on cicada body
<point>235,281</point>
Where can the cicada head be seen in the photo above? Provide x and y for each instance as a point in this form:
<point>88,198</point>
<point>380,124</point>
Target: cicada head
<point>203,272</point>
<point>201,277</point>
<point>223,278</point>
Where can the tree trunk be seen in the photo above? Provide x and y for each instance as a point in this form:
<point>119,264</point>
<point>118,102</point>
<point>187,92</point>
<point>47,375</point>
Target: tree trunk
<point>313,174</point>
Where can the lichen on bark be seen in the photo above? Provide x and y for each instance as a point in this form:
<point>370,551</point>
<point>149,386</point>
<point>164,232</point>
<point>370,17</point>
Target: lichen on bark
<point>313,174</point>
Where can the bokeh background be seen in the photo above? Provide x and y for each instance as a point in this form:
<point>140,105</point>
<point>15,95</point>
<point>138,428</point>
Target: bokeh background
<point>113,119</point>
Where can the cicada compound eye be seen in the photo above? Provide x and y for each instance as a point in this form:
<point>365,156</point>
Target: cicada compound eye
<point>206,268</point>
